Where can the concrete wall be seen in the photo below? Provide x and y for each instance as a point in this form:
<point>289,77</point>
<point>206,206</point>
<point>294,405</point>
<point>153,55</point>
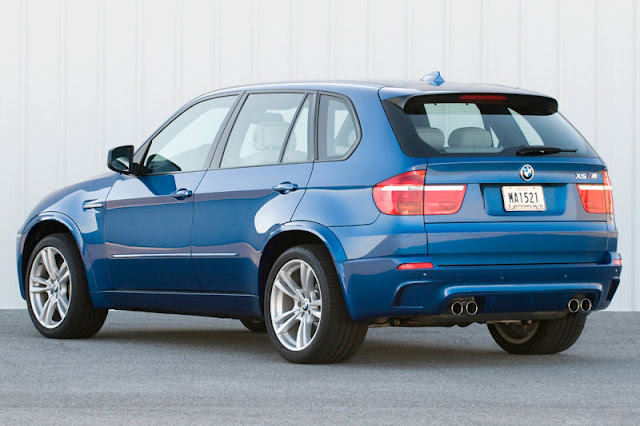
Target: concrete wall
<point>80,76</point>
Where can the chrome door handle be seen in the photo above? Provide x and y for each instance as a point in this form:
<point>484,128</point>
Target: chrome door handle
<point>181,194</point>
<point>92,204</point>
<point>285,187</point>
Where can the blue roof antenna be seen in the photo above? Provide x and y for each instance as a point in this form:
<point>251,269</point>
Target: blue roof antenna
<point>434,78</point>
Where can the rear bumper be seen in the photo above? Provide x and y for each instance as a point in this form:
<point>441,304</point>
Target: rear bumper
<point>375,289</point>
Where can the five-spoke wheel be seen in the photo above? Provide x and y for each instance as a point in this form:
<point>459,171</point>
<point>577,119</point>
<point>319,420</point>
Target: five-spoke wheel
<point>305,313</point>
<point>296,305</point>
<point>58,295</point>
<point>49,287</point>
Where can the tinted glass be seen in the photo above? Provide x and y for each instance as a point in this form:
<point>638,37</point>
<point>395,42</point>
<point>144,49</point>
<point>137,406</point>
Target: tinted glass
<point>445,126</point>
<point>259,132</point>
<point>297,149</point>
<point>184,145</point>
<point>337,131</point>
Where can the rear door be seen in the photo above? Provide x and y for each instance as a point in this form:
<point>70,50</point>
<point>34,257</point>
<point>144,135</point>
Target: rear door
<point>483,231</point>
<point>256,183</point>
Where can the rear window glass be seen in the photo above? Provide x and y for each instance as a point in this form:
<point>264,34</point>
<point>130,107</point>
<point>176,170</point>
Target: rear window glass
<point>484,125</point>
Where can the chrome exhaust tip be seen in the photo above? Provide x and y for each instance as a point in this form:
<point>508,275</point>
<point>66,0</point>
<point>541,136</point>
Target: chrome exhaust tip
<point>586,305</point>
<point>573,305</point>
<point>457,308</point>
<point>471,307</point>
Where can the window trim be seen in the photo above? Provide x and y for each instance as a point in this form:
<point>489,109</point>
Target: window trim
<point>222,145</point>
<point>216,140</point>
<point>358,128</point>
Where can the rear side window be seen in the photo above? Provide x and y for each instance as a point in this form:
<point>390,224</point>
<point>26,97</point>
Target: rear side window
<point>337,128</point>
<point>261,129</point>
<point>486,125</point>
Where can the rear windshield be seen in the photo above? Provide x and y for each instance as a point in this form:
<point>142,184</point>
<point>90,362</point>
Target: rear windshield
<point>482,125</point>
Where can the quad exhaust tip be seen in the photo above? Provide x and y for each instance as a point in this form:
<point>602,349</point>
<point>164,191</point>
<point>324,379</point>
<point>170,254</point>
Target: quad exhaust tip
<point>576,305</point>
<point>459,307</point>
<point>471,307</point>
<point>573,305</point>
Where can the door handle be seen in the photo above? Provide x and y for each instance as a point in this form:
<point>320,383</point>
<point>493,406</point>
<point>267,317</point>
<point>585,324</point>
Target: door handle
<point>92,204</point>
<point>285,187</point>
<point>181,194</point>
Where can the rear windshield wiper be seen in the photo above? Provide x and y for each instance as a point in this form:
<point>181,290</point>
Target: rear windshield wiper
<point>541,150</point>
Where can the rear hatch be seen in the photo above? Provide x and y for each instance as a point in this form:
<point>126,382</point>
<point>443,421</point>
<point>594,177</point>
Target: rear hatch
<point>508,180</point>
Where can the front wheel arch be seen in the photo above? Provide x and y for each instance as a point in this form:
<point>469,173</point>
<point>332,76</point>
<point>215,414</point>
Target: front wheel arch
<point>42,226</point>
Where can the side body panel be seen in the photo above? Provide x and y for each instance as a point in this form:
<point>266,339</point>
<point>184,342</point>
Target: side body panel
<point>235,212</point>
<point>86,226</point>
<point>148,232</point>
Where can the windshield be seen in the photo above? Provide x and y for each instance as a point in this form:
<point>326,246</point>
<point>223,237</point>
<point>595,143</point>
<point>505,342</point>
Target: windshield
<point>486,125</point>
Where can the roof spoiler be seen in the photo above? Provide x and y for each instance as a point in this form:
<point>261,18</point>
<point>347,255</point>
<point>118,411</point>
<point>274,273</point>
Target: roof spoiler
<point>549,104</point>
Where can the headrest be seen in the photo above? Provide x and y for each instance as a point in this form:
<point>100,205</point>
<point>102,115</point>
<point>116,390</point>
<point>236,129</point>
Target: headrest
<point>269,136</point>
<point>267,117</point>
<point>432,136</point>
<point>470,137</point>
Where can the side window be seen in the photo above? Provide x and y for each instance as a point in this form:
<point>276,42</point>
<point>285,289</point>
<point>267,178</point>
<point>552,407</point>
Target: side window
<point>259,132</point>
<point>530,134</point>
<point>337,131</point>
<point>297,149</point>
<point>183,146</point>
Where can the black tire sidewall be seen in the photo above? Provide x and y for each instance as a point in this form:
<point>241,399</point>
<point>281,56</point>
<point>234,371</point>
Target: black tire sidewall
<point>318,341</point>
<point>78,283</point>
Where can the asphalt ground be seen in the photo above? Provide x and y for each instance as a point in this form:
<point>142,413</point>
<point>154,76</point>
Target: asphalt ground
<point>146,368</point>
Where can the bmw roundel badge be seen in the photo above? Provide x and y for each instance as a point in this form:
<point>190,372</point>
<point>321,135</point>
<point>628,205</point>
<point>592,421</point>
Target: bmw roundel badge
<point>526,172</point>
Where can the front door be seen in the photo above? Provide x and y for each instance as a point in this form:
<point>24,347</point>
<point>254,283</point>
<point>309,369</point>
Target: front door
<point>149,216</point>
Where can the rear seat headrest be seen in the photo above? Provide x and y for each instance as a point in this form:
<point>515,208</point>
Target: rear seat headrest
<point>470,137</point>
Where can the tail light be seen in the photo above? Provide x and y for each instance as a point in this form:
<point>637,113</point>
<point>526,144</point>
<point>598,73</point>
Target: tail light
<point>406,194</point>
<point>597,198</point>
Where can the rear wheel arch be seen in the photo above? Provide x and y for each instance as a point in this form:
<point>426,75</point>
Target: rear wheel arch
<point>284,240</point>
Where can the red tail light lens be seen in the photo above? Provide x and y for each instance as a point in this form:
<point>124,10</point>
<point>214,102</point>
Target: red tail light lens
<point>406,194</point>
<point>402,194</point>
<point>443,199</point>
<point>597,198</point>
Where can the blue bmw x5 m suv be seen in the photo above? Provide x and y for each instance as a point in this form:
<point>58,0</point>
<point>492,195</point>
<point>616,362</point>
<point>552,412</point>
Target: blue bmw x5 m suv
<point>314,210</point>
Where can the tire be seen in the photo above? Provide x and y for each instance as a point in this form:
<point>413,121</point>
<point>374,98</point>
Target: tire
<point>58,301</point>
<point>544,337</point>
<point>256,326</point>
<point>318,329</point>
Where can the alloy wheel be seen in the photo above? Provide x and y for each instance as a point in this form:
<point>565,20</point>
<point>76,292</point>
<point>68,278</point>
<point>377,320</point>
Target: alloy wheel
<point>296,305</point>
<point>50,287</point>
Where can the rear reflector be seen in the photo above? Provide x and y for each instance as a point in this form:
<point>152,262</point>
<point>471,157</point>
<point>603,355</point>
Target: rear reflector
<point>597,198</point>
<point>423,265</point>
<point>406,194</point>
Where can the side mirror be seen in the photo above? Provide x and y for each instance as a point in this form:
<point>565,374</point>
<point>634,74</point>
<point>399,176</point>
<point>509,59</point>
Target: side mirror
<point>120,159</point>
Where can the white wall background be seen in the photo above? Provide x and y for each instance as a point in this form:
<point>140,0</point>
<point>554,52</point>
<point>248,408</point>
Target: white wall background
<point>80,76</point>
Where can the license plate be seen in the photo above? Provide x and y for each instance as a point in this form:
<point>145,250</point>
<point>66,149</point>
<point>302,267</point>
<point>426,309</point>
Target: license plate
<point>523,198</point>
